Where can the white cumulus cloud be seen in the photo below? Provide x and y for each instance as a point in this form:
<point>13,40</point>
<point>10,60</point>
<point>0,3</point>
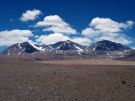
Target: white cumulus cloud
<point>108,25</point>
<point>52,38</point>
<point>56,37</point>
<point>107,29</point>
<point>11,37</point>
<point>30,15</point>
<point>88,31</point>
<point>56,24</point>
<point>82,40</point>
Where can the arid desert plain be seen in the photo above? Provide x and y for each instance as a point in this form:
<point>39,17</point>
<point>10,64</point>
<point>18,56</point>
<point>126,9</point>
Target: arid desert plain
<point>73,80</point>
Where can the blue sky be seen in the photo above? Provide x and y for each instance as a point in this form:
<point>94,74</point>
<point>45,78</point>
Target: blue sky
<point>85,21</point>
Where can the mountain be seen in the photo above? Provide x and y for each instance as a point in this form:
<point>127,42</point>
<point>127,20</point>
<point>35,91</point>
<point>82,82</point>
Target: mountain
<point>128,57</point>
<point>108,49</point>
<point>106,45</point>
<point>69,50</point>
<point>20,48</point>
<point>67,45</point>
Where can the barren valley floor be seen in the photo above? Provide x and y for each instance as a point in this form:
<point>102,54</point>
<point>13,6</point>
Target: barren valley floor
<point>67,81</point>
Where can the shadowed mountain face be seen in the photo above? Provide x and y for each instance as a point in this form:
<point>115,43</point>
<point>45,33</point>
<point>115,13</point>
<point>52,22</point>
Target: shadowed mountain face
<point>20,48</point>
<point>67,45</point>
<point>69,50</point>
<point>106,45</point>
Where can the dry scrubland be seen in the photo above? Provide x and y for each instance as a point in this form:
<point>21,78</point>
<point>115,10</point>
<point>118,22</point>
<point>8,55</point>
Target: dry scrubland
<point>67,81</point>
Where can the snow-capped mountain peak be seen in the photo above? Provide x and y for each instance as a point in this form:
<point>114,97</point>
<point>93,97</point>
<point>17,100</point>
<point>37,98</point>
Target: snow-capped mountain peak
<point>67,45</point>
<point>106,45</point>
<point>101,49</point>
<point>20,48</point>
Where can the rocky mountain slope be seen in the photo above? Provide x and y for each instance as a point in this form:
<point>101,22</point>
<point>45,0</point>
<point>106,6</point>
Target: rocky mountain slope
<point>20,48</point>
<point>68,50</point>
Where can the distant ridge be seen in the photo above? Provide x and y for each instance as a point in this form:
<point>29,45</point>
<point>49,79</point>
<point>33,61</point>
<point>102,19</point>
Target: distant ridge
<point>104,49</point>
<point>20,48</point>
<point>106,45</point>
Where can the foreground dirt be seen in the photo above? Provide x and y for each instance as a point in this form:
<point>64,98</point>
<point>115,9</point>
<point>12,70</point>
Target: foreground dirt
<point>89,62</point>
<point>55,81</point>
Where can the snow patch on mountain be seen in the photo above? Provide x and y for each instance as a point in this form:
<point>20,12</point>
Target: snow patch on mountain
<point>36,47</point>
<point>19,45</point>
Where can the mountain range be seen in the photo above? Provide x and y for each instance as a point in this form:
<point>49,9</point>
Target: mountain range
<point>62,50</point>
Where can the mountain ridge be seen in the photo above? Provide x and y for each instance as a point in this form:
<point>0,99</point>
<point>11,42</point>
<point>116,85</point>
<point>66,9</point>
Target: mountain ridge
<point>69,49</point>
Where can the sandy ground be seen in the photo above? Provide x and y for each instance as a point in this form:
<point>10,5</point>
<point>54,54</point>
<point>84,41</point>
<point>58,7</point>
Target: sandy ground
<point>89,62</point>
<point>75,81</point>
